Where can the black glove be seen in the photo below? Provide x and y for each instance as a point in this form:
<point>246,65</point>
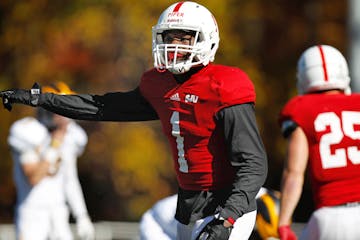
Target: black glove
<point>215,230</point>
<point>28,97</point>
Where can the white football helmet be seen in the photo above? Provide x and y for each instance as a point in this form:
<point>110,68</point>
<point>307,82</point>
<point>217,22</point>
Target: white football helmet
<point>188,16</point>
<point>321,68</point>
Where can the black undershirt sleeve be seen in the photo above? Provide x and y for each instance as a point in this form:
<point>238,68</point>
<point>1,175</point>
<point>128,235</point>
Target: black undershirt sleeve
<point>247,155</point>
<point>287,127</point>
<point>117,106</point>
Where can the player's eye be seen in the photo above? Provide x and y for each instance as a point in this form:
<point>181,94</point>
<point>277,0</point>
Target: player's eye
<point>175,39</point>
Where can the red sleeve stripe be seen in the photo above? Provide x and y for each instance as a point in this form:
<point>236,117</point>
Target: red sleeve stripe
<point>323,63</point>
<point>231,220</point>
<point>177,7</point>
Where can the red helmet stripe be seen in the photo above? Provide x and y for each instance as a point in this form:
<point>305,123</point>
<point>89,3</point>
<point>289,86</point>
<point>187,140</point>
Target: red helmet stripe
<point>177,7</point>
<point>323,63</point>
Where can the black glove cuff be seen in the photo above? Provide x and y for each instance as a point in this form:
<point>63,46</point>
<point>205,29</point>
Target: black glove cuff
<point>215,230</point>
<point>28,97</point>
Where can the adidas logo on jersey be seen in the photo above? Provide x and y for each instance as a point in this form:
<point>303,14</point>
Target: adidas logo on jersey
<point>175,97</point>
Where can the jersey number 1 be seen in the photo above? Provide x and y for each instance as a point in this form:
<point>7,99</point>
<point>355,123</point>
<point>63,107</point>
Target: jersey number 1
<point>175,122</point>
<point>339,128</point>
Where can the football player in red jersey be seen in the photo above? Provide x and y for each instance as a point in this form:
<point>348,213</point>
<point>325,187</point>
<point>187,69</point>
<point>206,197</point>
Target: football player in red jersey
<point>322,128</point>
<point>207,113</point>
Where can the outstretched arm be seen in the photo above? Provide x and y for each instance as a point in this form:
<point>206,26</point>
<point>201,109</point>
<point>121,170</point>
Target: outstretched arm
<point>117,106</point>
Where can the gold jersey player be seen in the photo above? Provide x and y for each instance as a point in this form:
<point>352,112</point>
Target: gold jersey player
<point>207,113</point>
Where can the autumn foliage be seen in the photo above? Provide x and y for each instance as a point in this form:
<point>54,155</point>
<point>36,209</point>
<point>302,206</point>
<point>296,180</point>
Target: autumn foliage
<point>103,46</point>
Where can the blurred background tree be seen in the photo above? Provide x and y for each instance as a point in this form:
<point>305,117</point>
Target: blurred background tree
<point>101,46</point>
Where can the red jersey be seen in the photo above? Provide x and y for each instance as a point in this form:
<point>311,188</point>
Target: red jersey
<point>187,113</point>
<point>331,124</point>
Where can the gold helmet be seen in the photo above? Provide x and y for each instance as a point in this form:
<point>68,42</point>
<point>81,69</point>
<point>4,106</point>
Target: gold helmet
<point>267,217</point>
<point>46,117</point>
<point>57,88</point>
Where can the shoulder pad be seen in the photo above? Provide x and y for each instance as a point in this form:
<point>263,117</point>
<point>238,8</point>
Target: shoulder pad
<point>232,85</point>
<point>78,134</point>
<point>27,133</point>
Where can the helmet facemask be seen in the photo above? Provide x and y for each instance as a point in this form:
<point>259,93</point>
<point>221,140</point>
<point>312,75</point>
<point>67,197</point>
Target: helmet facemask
<point>177,57</point>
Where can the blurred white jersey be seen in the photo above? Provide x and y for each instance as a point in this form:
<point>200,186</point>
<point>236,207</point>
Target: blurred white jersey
<point>159,222</point>
<point>52,193</point>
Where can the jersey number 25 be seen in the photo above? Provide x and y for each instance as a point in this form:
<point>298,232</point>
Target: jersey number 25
<point>339,127</point>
